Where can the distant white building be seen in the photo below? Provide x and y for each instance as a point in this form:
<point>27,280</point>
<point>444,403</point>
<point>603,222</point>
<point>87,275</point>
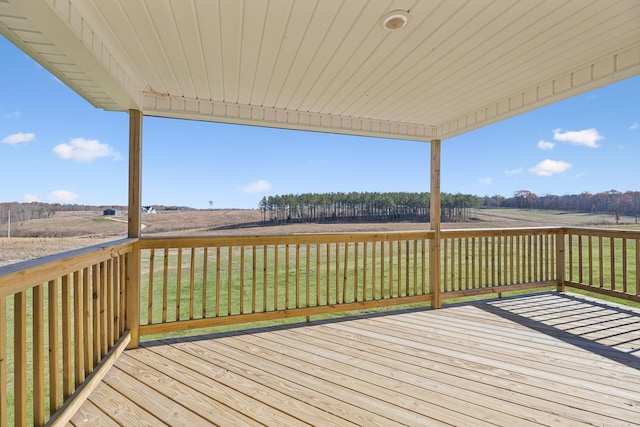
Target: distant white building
<point>149,210</point>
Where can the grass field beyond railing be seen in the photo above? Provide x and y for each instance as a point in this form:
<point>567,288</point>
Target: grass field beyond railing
<point>63,317</point>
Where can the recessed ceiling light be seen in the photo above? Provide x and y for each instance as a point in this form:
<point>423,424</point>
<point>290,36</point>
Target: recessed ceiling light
<point>395,20</point>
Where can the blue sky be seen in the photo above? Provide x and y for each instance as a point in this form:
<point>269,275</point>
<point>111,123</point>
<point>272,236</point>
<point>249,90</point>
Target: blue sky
<point>57,148</point>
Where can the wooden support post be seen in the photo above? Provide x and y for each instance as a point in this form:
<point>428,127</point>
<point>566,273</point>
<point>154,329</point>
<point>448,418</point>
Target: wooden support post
<point>560,262</point>
<point>434,212</point>
<point>132,321</point>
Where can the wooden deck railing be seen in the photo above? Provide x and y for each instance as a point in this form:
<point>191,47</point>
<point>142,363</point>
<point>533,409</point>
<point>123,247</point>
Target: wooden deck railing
<point>604,261</point>
<point>498,260</point>
<point>189,283</point>
<point>60,316</point>
<point>63,318</point>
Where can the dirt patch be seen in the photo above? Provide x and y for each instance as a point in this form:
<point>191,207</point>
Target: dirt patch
<point>17,249</point>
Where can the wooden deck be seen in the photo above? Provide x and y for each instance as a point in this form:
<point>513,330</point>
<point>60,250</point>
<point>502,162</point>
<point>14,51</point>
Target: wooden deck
<point>543,359</point>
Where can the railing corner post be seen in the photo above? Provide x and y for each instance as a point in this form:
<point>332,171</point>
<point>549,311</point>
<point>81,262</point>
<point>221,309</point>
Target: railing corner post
<point>132,301</point>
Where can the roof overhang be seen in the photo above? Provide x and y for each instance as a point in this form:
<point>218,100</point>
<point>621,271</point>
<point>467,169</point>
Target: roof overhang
<point>330,65</point>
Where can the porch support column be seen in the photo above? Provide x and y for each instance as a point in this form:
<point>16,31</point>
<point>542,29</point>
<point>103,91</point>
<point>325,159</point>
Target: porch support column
<point>132,320</point>
<point>434,213</point>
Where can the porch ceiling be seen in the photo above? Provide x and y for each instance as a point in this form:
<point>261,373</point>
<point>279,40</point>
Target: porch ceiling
<point>329,65</point>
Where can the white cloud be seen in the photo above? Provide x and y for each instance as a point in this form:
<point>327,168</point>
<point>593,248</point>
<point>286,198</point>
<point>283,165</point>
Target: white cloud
<point>19,138</point>
<point>517,171</point>
<point>13,115</point>
<point>28,198</point>
<point>85,150</point>
<point>588,137</point>
<point>62,196</point>
<point>549,167</point>
<point>635,126</point>
<point>546,145</point>
<point>257,187</point>
<point>485,181</point>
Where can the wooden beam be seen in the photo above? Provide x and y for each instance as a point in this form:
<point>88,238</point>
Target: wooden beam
<point>132,289</point>
<point>135,173</point>
<point>434,212</point>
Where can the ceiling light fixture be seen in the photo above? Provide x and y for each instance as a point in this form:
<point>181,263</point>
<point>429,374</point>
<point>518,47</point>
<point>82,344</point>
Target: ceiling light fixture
<point>395,20</point>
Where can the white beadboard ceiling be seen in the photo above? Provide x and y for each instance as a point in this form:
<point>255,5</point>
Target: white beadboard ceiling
<point>329,65</point>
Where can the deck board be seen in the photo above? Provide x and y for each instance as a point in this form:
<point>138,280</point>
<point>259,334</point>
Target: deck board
<point>541,359</point>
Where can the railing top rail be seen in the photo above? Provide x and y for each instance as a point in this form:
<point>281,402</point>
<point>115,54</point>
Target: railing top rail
<point>603,232</point>
<point>489,232</point>
<point>287,239</point>
<point>23,275</point>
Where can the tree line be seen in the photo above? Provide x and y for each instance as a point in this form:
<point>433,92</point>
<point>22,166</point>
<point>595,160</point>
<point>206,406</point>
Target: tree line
<point>367,206</point>
<point>608,202</point>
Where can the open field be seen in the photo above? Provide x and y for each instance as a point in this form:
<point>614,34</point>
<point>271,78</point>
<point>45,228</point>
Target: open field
<point>73,230</point>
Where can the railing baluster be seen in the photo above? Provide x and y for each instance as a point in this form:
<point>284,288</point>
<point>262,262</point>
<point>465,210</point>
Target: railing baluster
<point>415,268</point>
<point>580,259</point>
<point>54,382</point>
<point>229,278</point>
<point>241,280</point>
<point>275,277</point>
<point>286,276</point>
<point>399,264</point>
<point>512,276</point>
<point>345,274</point>
<point>337,273</point>
<point>318,257</point>
<point>601,261</point>
<point>165,285</point>
<point>328,275</point>
<point>38,355</point>
<point>373,271</point>
<point>104,286</point>
<point>382,264</point>
<point>307,275</point>
<point>20,358</point>
<point>78,329</point>
<point>624,265</point>
<point>205,269</point>
<point>95,279</point>
<point>612,263</point>
<point>108,305</point>
<point>499,260</point>
<point>264,278</point>
<point>460,263</point>
<point>150,290</point>
<point>192,282</point>
<point>445,272</point>
<point>67,383</point>
<point>254,279</point>
<point>297,275</point>
<point>356,270</point>
<point>178,293</point>
<point>473,278</point>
